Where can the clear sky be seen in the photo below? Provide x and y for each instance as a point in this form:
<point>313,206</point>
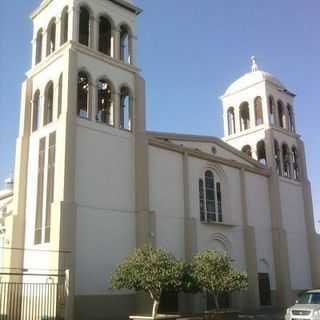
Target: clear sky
<point>189,52</point>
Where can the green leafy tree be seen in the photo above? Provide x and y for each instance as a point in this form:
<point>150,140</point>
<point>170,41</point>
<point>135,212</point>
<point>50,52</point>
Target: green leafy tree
<point>213,273</point>
<point>150,270</point>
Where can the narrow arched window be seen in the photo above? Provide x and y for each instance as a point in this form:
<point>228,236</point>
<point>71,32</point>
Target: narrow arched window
<point>272,117</point>
<point>290,118</point>
<point>202,201</point>
<point>83,95</point>
<point>295,163</point>
<point>258,112</point>
<point>125,55</point>
<point>105,36</point>
<point>35,111</point>
<point>105,112</point>
<point>277,157</point>
<point>231,121</point>
<point>247,150</point>
<point>39,46</point>
<point>219,201</point>
<point>244,116</point>
<point>51,37</point>
<point>261,152</point>
<point>286,161</point>
<point>84,26</point>
<point>48,104</point>
<point>281,114</point>
<point>210,196</point>
<point>60,94</point>
<point>64,26</point>
<point>125,109</point>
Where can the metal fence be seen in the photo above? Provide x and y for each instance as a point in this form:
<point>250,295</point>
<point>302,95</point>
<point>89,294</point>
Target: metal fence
<point>32,301</point>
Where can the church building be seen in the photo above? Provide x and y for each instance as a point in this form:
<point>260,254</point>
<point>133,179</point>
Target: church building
<point>91,183</point>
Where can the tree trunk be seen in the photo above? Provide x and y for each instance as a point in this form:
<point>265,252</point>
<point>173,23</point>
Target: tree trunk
<point>155,308</point>
<point>216,301</point>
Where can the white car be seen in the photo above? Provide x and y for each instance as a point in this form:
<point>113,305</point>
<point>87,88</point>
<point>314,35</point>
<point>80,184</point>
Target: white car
<point>307,307</point>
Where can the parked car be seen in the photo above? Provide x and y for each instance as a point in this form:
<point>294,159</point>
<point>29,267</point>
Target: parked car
<point>307,307</point>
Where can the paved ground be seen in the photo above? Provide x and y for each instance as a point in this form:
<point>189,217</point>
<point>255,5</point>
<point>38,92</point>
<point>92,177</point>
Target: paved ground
<point>263,317</point>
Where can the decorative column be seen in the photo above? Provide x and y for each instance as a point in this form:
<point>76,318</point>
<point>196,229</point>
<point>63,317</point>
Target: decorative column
<point>94,22</point>
<point>73,30</point>
<point>116,33</point>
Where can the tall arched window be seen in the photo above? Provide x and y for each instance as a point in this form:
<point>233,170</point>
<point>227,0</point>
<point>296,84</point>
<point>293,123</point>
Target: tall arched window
<point>277,156</point>
<point>247,150</point>
<point>39,46</point>
<point>290,118</point>
<point>210,198</point>
<point>51,37</point>
<point>261,152</point>
<point>64,25</point>
<point>105,36</point>
<point>244,116</point>
<point>83,109</point>
<point>272,115</point>
<point>231,121</point>
<point>60,94</point>
<point>295,163</point>
<point>35,112</point>
<point>125,109</point>
<point>84,26</point>
<point>281,114</point>
<point>258,113</point>
<point>105,113</point>
<point>286,161</point>
<point>48,104</point>
<point>125,54</point>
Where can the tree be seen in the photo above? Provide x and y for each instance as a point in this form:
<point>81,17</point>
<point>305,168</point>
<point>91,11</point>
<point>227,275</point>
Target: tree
<point>213,272</point>
<point>150,270</point>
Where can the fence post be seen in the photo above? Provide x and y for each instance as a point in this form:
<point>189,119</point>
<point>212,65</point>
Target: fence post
<point>69,296</point>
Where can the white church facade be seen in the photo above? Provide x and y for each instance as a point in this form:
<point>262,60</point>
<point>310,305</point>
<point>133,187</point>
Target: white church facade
<point>91,184</point>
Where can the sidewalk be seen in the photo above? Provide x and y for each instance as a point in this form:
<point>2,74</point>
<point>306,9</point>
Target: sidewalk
<point>266,316</point>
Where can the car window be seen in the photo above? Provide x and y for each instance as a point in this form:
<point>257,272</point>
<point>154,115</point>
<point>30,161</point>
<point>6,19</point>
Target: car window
<point>315,299</point>
<point>309,298</point>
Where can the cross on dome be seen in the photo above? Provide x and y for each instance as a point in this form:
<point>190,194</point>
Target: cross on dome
<point>254,66</point>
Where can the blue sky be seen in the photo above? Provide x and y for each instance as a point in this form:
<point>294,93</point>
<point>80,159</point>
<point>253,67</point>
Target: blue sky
<point>189,52</point>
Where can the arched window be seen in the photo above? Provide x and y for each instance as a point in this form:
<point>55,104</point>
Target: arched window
<point>48,104</point>
<point>272,115</point>
<point>84,26</point>
<point>277,156</point>
<point>281,114</point>
<point>51,37</point>
<point>286,161</point>
<point>247,150</point>
<point>60,94</point>
<point>210,197</point>
<point>258,113</point>
<point>261,152</point>
<point>105,113</point>
<point>64,25</point>
<point>290,118</point>
<point>125,109</point>
<point>35,112</point>
<point>244,116</point>
<point>125,46</point>
<point>105,36</point>
<point>231,121</point>
<point>295,163</point>
<point>39,46</point>
<point>83,95</point>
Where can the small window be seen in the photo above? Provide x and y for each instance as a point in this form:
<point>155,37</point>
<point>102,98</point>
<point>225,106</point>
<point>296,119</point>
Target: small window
<point>125,109</point>
<point>290,118</point>
<point>261,152</point>
<point>84,26</point>
<point>244,116</point>
<point>105,36</point>
<point>277,157</point>
<point>51,40</point>
<point>48,104</point>
<point>286,161</point>
<point>35,112</point>
<point>83,95</point>
<point>258,111</point>
<point>105,103</point>
<point>281,115</point>
<point>39,43</point>
<point>125,44</point>
<point>231,121</point>
<point>295,163</point>
<point>64,25</point>
<point>272,111</point>
<point>202,201</point>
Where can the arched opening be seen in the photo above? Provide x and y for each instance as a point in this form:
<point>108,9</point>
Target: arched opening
<point>51,37</point>
<point>247,150</point>
<point>60,94</point>
<point>125,109</point>
<point>83,110</point>
<point>281,114</point>
<point>48,104</point>
<point>84,26</point>
<point>277,156</point>
<point>261,152</point>
<point>244,116</point>
<point>64,25</point>
<point>258,113</point>
<point>286,161</point>
<point>290,118</point>
<point>39,46</point>
<point>272,116</point>
<point>295,163</point>
<point>105,112</point>
<point>105,36</point>
<point>125,55</point>
<point>35,112</point>
<point>231,121</point>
